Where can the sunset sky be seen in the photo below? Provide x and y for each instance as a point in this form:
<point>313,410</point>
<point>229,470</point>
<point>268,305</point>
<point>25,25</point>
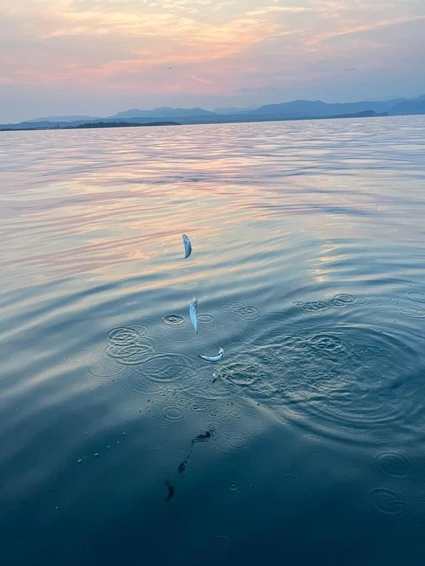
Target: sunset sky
<point>98,57</point>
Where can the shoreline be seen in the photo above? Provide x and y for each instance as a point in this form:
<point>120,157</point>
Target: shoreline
<point>191,122</point>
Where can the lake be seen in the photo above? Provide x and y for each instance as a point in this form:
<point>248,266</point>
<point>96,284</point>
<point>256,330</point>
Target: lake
<point>304,445</point>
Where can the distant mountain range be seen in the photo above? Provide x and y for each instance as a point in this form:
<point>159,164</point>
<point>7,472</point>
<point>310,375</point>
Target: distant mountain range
<point>296,110</point>
<point>164,112</point>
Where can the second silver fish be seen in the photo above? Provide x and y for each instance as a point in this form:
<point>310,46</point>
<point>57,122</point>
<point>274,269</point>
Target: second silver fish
<point>192,313</point>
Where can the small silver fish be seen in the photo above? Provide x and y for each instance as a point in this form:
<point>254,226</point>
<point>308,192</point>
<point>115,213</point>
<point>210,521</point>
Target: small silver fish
<point>213,358</point>
<point>187,246</point>
<point>192,313</point>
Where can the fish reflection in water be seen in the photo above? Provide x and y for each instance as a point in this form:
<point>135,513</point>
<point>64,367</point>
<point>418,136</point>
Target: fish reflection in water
<point>171,492</point>
<point>202,437</point>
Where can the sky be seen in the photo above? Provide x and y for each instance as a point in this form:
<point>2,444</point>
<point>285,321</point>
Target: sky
<point>99,57</point>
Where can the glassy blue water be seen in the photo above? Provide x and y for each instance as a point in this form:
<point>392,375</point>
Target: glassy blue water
<point>305,444</point>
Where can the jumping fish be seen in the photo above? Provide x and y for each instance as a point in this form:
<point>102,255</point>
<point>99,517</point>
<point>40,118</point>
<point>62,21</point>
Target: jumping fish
<point>213,358</point>
<point>192,313</point>
<point>187,246</point>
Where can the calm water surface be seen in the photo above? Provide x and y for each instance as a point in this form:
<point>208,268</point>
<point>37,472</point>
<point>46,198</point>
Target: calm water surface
<point>305,444</point>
